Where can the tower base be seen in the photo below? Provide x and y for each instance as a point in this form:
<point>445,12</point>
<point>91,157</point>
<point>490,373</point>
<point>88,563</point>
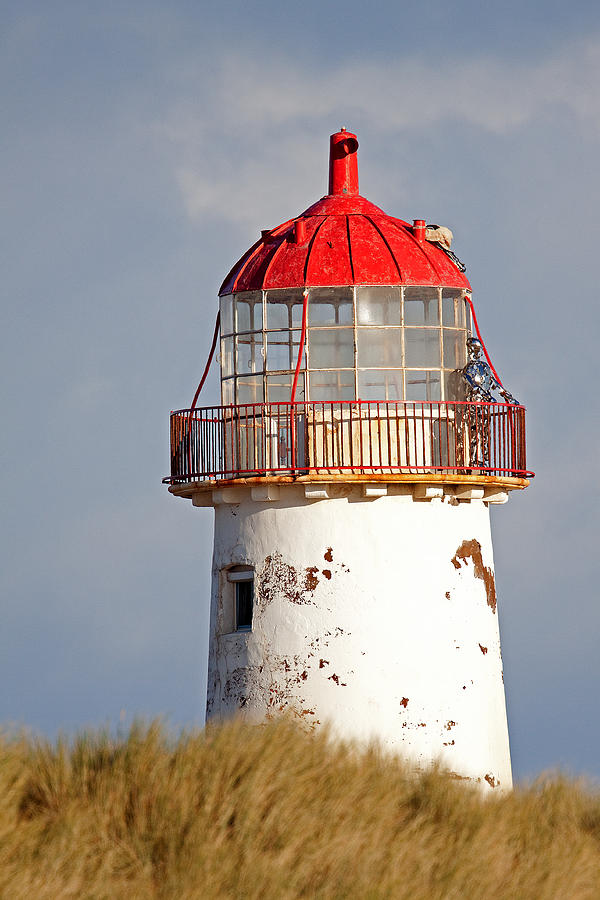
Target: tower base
<point>374,611</point>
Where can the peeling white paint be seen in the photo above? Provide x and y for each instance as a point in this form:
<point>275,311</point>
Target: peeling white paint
<point>366,618</point>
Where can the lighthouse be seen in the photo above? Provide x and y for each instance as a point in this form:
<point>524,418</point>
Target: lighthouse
<point>361,439</point>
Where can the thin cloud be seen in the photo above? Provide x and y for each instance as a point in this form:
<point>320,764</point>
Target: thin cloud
<point>494,94</point>
<point>254,102</point>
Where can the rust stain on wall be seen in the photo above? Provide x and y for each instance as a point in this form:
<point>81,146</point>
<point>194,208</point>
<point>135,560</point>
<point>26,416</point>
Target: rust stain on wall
<point>404,702</point>
<point>483,649</point>
<point>235,686</point>
<point>472,549</point>
<point>276,577</point>
<point>491,781</point>
<point>310,579</point>
<point>328,555</point>
<point>327,574</point>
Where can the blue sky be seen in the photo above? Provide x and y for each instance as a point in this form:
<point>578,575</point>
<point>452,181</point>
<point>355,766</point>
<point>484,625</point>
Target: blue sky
<point>144,148</point>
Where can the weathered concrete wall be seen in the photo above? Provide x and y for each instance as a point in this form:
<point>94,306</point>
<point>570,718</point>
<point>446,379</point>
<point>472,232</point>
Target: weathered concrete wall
<point>375,615</point>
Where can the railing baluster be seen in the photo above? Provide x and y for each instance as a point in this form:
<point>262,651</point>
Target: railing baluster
<point>423,457</point>
<point>371,458</point>
<point>351,436</point>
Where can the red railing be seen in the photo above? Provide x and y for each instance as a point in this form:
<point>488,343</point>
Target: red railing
<point>361,437</point>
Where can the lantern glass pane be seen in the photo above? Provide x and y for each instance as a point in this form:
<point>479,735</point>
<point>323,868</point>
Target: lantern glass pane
<point>421,306</point>
<point>379,347</point>
<point>282,351</point>
<point>378,305</point>
<point>227,388</point>
<point>227,314</point>
<point>331,348</point>
<point>455,349</point>
<point>284,309</point>
<point>422,385</point>
<point>332,385</point>
<point>297,307</point>
<point>279,388</point>
<point>279,351</point>
<point>227,356</point>
<point>331,306</point>
<point>380,384</point>
<point>250,389</point>
<point>249,353</point>
<point>248,311</point>
<point>278,315</point>
<point>422,346</point>
<point>451,303</point>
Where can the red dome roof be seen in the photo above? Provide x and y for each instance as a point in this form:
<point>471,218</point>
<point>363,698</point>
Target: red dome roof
<point>343,239</point>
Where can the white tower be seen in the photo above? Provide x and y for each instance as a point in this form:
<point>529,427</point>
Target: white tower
<point>351,466</point>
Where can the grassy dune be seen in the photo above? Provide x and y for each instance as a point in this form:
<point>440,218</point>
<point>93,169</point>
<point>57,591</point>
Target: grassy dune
<point>273,812</point>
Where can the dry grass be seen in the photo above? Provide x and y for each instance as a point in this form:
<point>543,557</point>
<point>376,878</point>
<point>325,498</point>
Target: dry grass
<point>272,812</point>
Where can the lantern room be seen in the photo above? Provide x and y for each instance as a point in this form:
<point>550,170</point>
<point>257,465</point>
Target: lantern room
<point>386,313</point>
<point>345,325</point>
<point>363,342</point>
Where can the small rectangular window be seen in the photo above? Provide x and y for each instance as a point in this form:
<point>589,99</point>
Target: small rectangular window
<point>241,579</point>
<point>244,603</point>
